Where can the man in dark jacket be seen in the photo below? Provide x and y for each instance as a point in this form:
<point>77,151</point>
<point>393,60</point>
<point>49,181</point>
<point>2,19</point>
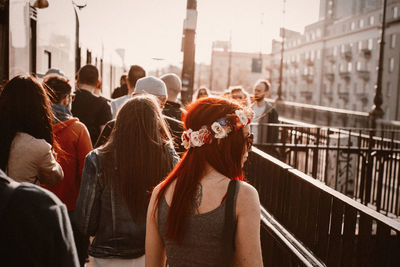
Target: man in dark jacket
<point>264,113</point>
<point>172,108</point>
<point>35,228</point>
<point>91,110</point>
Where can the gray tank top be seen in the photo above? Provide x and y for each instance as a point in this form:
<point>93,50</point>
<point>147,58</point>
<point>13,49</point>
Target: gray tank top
<point>202,243</point>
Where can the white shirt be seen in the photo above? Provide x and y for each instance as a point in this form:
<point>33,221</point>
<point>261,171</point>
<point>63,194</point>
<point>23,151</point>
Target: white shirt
<point>117,104</point>
<point>258,112</point>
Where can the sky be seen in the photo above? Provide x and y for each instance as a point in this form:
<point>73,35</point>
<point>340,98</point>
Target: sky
<point>149,29</point>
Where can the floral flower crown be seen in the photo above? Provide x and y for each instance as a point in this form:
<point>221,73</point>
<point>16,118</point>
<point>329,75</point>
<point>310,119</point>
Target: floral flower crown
<point>219,129</point>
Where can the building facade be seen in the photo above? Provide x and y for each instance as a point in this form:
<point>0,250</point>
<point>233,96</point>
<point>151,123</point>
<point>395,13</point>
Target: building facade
<point>333,63</point>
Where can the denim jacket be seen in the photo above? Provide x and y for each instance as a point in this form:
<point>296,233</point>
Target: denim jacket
<point>101,213</point>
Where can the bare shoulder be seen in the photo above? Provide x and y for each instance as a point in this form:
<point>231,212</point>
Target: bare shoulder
<point>247,190</point>
<point>247,197</point>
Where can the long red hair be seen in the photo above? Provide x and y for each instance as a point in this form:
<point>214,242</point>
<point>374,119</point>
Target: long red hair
<point>224,155</point>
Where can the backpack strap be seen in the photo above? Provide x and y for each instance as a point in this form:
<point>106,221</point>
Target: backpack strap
<point>230,224</point>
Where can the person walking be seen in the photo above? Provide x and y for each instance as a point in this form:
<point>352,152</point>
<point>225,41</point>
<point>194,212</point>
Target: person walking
<point>264,113</point>
<point>135,73</point>
<point>173,109</point>
<point>72,137</point>
<point>203,214</point>
<point>116,182</point>
<point>35,228</point>
<point>93,111</point>
<point>26,138</point>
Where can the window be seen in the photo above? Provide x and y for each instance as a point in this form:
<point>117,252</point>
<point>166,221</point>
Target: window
<point>391,64</point>
<point>48,55</point>
<point>370,44</point>
<point>360,44</point>
<point>353,26</point>
<point>358,67</point>
<point>318,33</point>
<point>349,66</point>
<point>335,51</point>
<point>392,40</point>
<point>371,20</point>
<point>361,23</point>
<point>318,54</point>
<point>339,87</point>
<point>388,89</point>
<point>395,12</point>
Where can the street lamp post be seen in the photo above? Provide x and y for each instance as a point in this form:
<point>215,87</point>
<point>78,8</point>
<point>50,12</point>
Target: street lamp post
<point>188,68</point>
<point>279,98</point>
<point>377,111</point>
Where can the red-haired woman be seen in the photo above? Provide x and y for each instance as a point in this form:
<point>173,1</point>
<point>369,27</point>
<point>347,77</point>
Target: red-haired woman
<point>186,216</point>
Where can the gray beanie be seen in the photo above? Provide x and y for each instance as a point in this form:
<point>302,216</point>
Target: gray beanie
<point>173,82</point>
<point>151,85</point>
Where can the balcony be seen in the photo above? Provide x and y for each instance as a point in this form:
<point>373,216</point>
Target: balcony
<point>366,52</point>
<point>346,55</point>
<point>344,95</point>
<point>331,58</point>
<point>307,78</point>
<point>309,62</point>
<point>330,76</point>
<point>345,75</point>
<point>363,74</point>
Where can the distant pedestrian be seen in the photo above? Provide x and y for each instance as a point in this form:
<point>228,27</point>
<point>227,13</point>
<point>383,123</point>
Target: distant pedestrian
<point>26,136</point>
<point>264,113</point>
<point>116,182</point>
<point>173,109</point>
<point>203,214</point>
<point>35,229</point>
<point>91,110</point>
<point>135,73</point>
<point>146,85</point>
<point>239,94</point>
<point>201,92</point>
<point>122,89</point>
<point>72,137</point>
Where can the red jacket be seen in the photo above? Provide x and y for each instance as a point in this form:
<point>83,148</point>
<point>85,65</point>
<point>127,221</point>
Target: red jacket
<point>74,141</point>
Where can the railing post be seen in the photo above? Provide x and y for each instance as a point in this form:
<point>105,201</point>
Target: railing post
<point>315,155</point>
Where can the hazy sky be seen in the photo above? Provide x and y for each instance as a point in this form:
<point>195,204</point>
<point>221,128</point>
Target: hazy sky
<point>153,28</point>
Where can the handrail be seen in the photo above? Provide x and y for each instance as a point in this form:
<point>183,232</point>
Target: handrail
<point>395,225</point>
<point>282,235</point>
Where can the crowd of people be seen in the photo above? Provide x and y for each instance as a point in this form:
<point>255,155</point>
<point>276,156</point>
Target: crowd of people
<point>138,180</point>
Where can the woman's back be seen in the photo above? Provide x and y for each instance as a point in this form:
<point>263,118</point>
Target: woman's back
<point>202,244</point>
<point>31,160</point>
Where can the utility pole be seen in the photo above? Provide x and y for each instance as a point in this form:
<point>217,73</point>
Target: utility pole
<point>377,111</point>
<point>279,98</point>
<point>188,48</point>
<point>229,60</point>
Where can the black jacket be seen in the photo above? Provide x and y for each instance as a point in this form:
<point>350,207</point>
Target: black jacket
<point>34,227</point>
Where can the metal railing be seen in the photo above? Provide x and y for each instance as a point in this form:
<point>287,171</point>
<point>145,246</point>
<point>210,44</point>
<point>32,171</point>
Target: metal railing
<point>338,230</point>
<point>352,161</point>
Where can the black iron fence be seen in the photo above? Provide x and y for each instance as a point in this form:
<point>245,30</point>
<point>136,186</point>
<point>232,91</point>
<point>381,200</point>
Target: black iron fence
<point>338,230</point>
<point>353,161</point>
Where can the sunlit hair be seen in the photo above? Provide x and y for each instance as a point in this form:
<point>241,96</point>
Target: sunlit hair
<point>239,89</point>
<point>266,84</point>
<point>137,153</point>
<point>57,86</point>
<point>199,91</point>
<point>24,107</point>
<point>224,155</point>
